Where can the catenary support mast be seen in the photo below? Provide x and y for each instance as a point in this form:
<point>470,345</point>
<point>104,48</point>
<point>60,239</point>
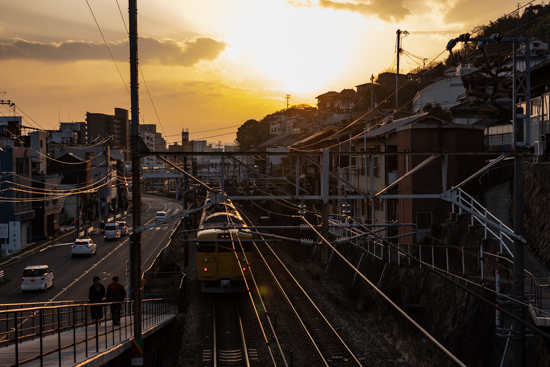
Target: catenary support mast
<point>135,243</point>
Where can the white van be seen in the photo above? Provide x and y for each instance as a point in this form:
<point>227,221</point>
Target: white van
<point>37,277</point>
<point>111,231</point>
<point>160,216</point>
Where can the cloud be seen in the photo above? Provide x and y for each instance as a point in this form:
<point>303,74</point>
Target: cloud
<point>387,10</point>
<point>151,50</point>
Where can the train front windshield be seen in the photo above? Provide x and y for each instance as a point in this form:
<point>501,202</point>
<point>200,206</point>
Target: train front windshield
<point>209,246</point>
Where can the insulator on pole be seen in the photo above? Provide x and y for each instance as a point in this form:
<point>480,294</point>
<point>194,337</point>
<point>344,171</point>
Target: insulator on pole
<point>302,210</point>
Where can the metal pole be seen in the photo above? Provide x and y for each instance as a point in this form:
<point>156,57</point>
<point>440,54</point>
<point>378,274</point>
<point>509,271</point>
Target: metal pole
<point>527,137</point>
<point>135,258</point>
<point>397,73</point>
<point>324,195</point>
<point>371,96</point>
<point>514,95</point>
<point>222,183</point>
<point>518,309</point>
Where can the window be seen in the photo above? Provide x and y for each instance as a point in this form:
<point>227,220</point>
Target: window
<point>32,272</point>
<point>22,166</point>
<point>209,246</point>
<point>379,204</point>
<point>22,198</point>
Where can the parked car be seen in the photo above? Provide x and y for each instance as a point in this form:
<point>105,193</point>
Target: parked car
<point>37,277</point>
<point>111,231</point>
<point>123,228</point>
<point>160,216</point>
<point>84,246</point>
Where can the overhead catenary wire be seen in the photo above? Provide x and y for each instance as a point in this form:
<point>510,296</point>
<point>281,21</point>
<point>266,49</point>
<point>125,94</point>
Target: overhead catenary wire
<point>383,295</point>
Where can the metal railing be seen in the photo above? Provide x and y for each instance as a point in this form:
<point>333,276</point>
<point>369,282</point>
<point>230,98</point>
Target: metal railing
<point>72,328</point>
<point>478,213</point>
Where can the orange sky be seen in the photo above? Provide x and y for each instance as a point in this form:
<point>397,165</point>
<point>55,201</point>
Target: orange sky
<point>210,65</point>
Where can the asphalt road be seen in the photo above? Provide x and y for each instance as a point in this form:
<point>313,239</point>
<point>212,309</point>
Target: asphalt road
<point>73,276</point>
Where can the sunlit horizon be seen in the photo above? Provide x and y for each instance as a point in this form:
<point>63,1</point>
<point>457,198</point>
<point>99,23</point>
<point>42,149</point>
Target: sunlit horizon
<point>210,63</point>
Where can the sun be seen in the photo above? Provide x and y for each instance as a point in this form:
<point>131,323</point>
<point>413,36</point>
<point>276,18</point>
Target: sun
<point>300,47</point>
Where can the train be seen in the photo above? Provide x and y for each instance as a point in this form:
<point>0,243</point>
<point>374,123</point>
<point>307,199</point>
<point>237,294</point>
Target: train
<point>224,252</point>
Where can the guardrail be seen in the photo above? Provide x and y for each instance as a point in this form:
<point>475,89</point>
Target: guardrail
<point>73,327</point>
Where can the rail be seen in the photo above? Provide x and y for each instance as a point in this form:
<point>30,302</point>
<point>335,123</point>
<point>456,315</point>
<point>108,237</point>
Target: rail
<point>73,328</point>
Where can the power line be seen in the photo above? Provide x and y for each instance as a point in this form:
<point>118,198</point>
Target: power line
<point>108,48</point>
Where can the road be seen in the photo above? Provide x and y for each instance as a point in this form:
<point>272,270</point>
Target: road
<point>73,276</point>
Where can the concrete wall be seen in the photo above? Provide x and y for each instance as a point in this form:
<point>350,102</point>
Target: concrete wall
<point>537,209</point>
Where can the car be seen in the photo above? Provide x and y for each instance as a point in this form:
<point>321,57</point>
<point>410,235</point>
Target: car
<point>123,228</point>
<point>160,216</point>
<point>84,246</point>
<point>37,277</point>
<point>111,231</point>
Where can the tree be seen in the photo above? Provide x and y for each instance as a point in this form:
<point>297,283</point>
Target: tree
<point>487,84</point>
<point>438,111</point>
<point>253,133</point>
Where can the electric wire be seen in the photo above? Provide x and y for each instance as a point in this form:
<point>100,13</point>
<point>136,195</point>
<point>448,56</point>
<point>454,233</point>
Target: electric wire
<point>108,48</point>
<point>394,305</point>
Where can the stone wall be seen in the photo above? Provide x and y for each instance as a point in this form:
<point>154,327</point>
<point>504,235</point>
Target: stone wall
<point>537,209</point>
<point>459,320</point>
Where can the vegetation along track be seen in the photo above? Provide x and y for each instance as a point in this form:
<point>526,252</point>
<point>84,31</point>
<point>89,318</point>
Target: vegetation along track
<point>229,343</point>
<point>328,346</point>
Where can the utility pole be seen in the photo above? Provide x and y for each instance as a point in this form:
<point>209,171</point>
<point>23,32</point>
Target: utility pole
<point>326,204</point>
<point>371,94</point>
<point>135,239</point>
<point>521,88</point>
<point>398,48</point>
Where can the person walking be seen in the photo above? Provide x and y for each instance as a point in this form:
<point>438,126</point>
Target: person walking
<point>115,293</point>
<point>96,295</point>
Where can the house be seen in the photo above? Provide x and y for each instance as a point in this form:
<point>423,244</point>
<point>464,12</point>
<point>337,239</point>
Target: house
<point>371,172</point>
<point>74,184</point>
<point>16,212</point>
<point>444,92</point>
<point>429,137</point>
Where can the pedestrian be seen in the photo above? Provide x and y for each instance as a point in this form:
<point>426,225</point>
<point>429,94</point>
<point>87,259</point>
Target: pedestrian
<point>96,295</point>
<point>115,293</point>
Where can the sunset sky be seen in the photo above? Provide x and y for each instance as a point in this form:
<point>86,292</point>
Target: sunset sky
<point>210,65</point>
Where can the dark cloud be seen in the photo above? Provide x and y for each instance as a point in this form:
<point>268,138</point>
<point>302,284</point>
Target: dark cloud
<point>387,10</point>
<point>151,50</point>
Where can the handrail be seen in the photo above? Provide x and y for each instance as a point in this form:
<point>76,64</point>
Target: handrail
<point>478,211</point>
<point>24,324</point>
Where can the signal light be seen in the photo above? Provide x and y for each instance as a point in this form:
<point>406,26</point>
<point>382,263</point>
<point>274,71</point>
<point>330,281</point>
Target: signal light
<point>205,270</point>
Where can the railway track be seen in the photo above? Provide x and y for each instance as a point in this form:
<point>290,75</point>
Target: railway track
<point>328,346</point>
<point>230,347</point>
